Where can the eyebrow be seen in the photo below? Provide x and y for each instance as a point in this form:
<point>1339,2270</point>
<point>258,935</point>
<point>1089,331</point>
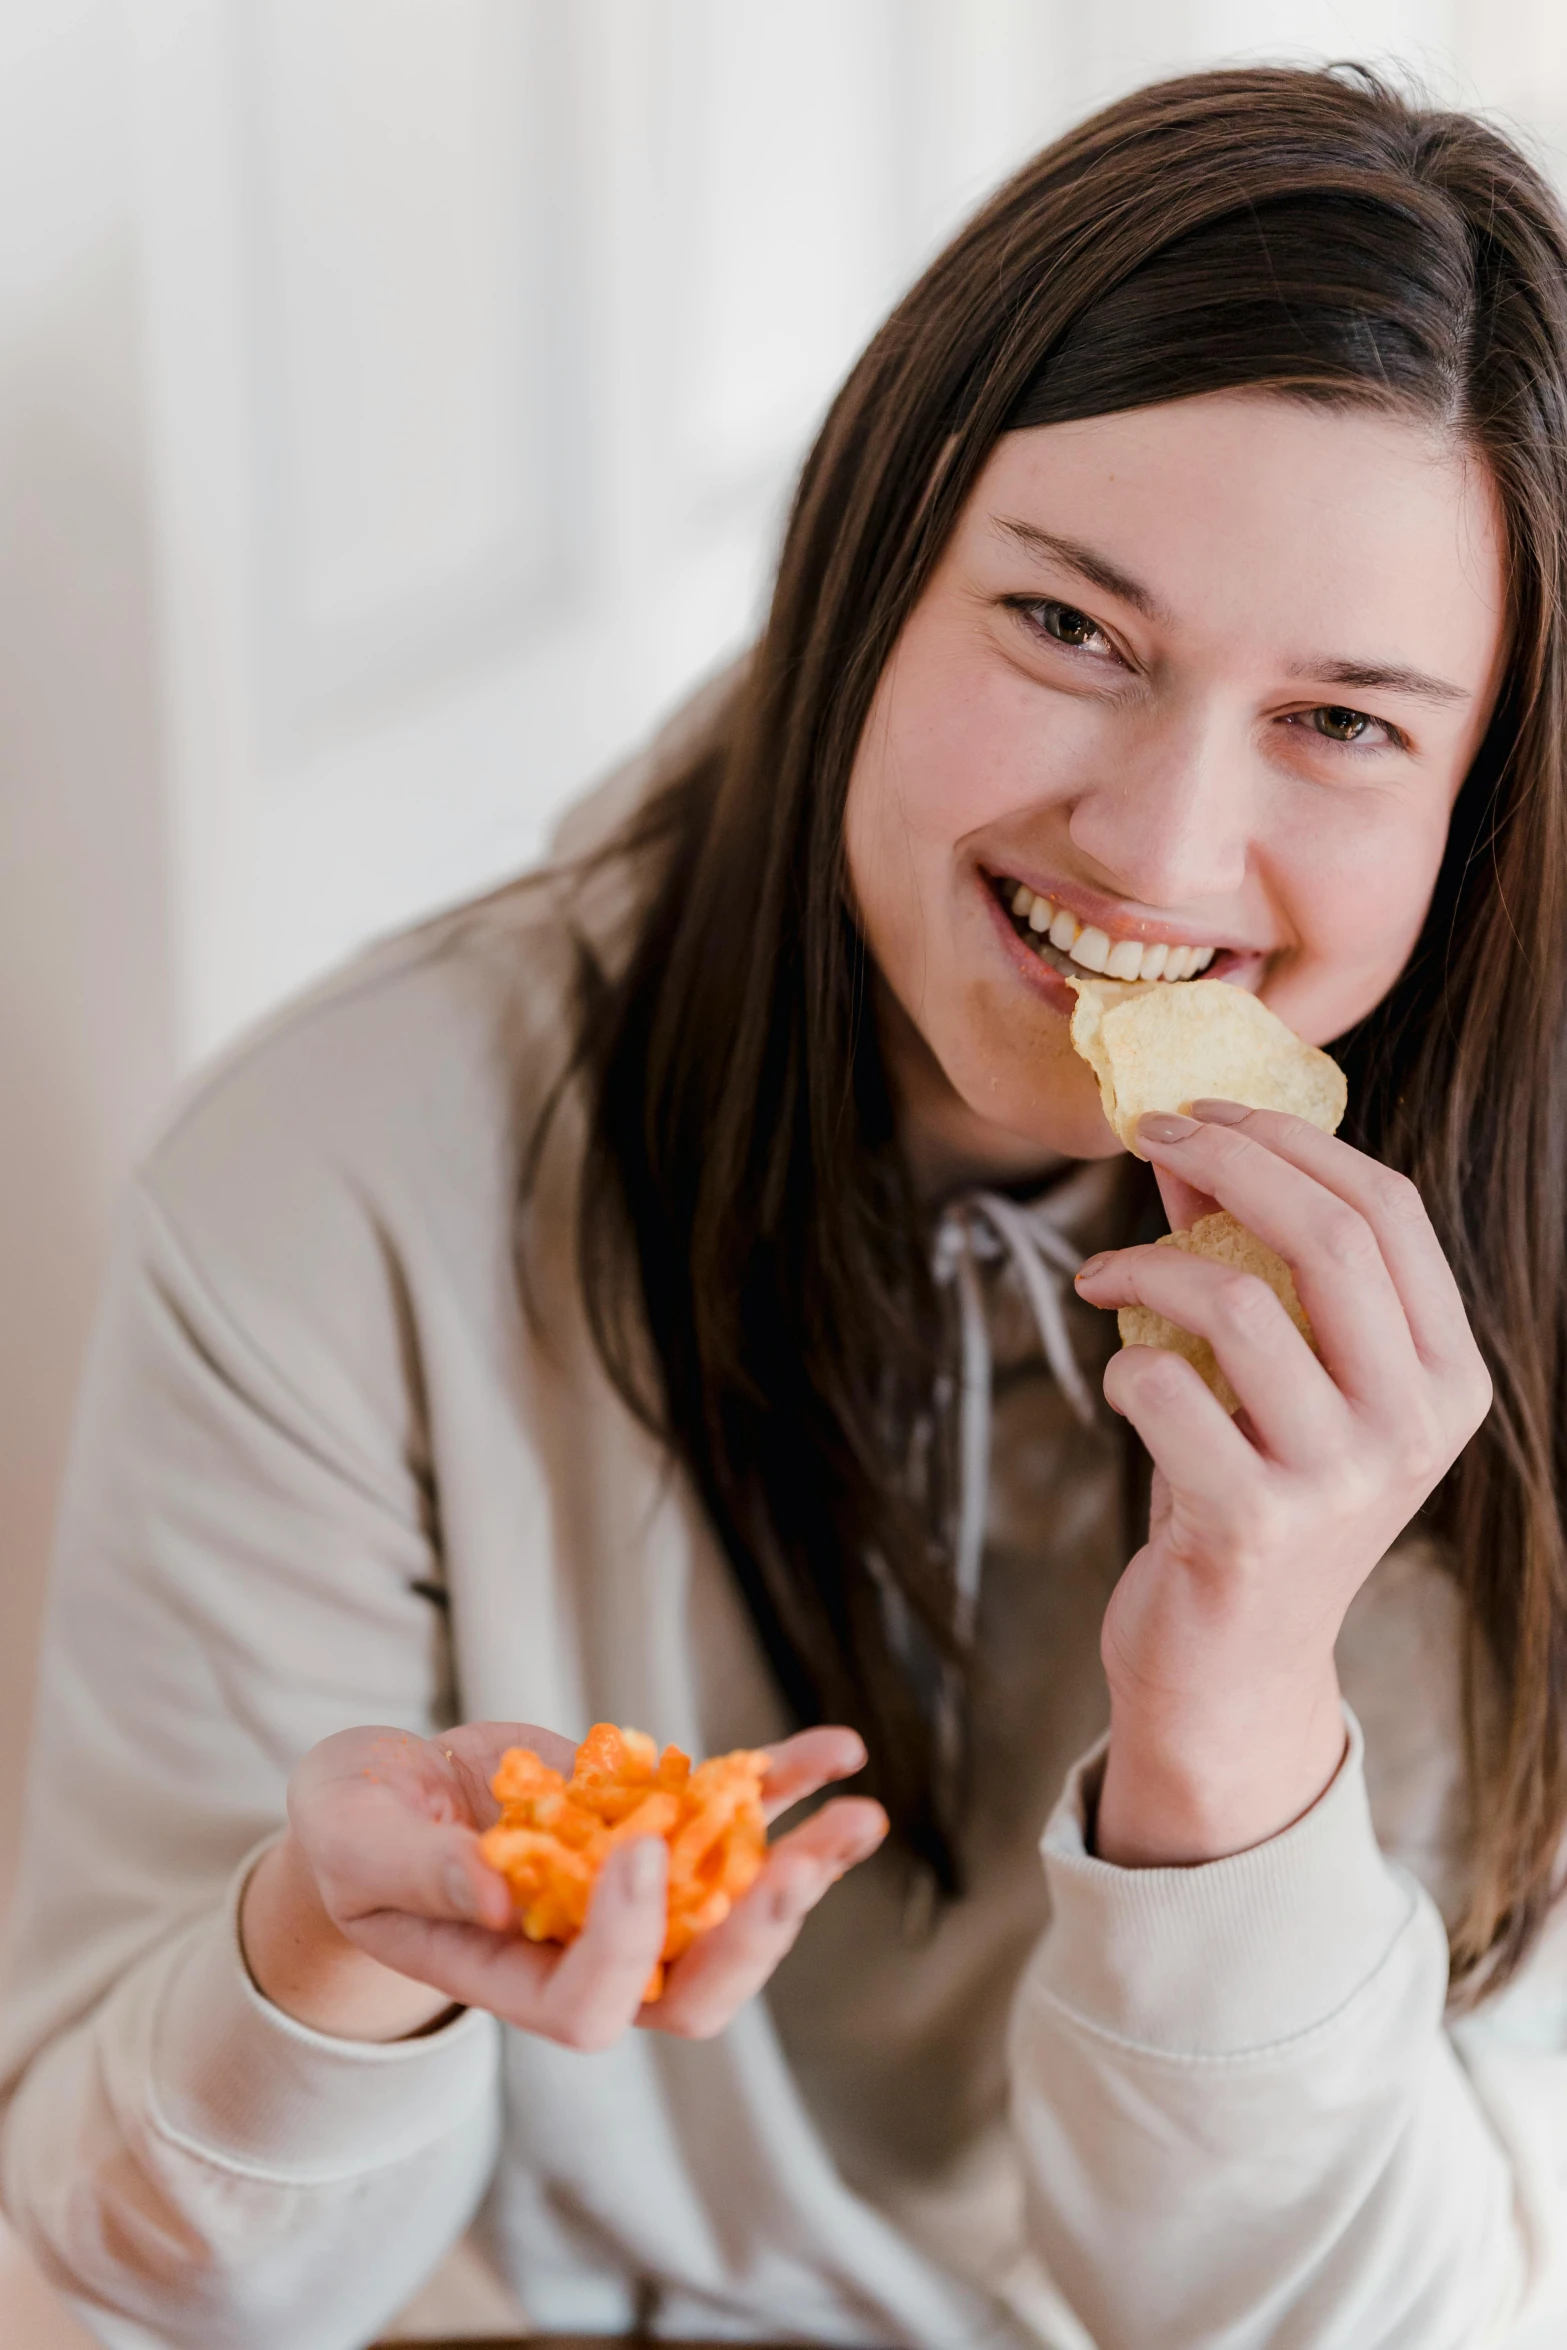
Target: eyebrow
<point>1384,677</point>
<point>1086,562</point>
<point>1368,676</point>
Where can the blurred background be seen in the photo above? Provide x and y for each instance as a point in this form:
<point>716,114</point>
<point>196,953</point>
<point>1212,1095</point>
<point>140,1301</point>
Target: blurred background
<point>398,401</point>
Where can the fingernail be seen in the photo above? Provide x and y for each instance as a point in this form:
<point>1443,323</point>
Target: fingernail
<point>1220,1113</point>
<point>1090,1267</point>
<point>459,1892</point>
<point>1165,1126</point>
<point>647,1868</point>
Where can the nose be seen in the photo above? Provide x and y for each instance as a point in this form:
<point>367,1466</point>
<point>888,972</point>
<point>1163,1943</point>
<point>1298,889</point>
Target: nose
<point>1172,825</point>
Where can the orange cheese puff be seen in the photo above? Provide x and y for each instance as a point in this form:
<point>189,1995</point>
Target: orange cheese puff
<point>655,1815</point>
<point>555,1834</point>
<point>717,1853</point>
<point>522,1775</point>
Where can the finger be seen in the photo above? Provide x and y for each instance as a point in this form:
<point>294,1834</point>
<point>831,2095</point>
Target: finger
<point>1293,1407</point>
<point>724,1968</point>
<point>371,1852</point>
<point>1356,1312</point>
<point>1184,1205</point>
<point>1187,1431</point>
<point>445,1778</point>
<point>503,1973</point>
<point>521,1981</point>
<point>807,1761</point>
<point>596,1991</point>
<point>480,1745</point>
<point>473,1754</point>
<point>1390,1204</point>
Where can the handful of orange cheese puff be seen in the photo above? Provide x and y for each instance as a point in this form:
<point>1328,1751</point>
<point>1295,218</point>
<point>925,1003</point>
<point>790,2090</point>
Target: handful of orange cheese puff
<point>555,1834</point>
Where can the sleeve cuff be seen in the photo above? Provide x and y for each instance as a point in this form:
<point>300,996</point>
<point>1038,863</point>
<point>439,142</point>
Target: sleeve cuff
<point>1231,1955</point>
<point>238,2082</point>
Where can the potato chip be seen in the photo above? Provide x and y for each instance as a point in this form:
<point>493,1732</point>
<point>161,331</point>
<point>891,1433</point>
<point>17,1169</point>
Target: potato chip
<point>555,1834</point>
<point>1154,1046</point>
<point>1225,1240</point>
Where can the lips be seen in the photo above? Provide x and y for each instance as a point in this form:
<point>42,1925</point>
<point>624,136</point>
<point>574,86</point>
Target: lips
<point>1065,944</point>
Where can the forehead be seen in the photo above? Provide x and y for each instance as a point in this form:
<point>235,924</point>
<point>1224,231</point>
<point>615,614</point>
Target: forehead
<point>1284,527</point>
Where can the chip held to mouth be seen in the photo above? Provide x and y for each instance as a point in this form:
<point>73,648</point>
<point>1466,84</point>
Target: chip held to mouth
<point>1164,1048</point>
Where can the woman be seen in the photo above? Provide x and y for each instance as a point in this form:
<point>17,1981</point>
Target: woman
<point>606,1301</point>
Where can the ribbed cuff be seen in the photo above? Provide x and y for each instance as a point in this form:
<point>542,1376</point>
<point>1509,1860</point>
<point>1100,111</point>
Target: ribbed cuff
<point>1233,1954</point>
<point>240,2083</point>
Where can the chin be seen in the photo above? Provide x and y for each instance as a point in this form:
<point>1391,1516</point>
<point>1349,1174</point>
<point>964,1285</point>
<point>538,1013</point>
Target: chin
<point>1048,1108</point>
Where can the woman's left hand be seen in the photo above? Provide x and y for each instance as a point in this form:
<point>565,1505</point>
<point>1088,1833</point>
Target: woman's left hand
<point>1226,1722</point>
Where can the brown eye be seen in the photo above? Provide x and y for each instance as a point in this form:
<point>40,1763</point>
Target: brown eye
<point>1340,726</point>
<point>1066,624</point>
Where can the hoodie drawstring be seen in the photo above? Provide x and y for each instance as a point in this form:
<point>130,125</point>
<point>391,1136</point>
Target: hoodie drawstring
<point>980,1228</point>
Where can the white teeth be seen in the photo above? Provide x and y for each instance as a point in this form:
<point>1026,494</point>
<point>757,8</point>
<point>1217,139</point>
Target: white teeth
<point>1091,948</point>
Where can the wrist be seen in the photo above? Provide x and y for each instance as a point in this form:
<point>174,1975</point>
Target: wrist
<point>1177,1792</point>
<point>302,1961</point>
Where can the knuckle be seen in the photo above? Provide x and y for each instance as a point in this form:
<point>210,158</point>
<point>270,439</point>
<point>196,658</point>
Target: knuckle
<point>1479,1395</point>
<point>1472,1388</point>
<point>1283,1128</point>
<point>1421,1465</point>
<point>797,1888</point>
<point>1245,1305</point>
<point>1230,1144</point>
<point>1397,1197</point>
<point>692,2023</point>
<point>1348,1239</point>
<point>575,2035</point>
<point>587,2032</point>
<point>1425,1452</point>
<point>1252,1521</point>
<point>1159,1380</point>
<point>1264,1534</point>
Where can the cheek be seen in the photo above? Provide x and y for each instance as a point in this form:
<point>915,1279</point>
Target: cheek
<point>881,852</point>
<point>928,761</point>
<point>929,770</point>
<point>1356,895</point>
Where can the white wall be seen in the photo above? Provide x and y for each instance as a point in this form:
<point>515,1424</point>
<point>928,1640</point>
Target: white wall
<point>397,399</point>
<point>87,1010</point>
<point>87,1005</point>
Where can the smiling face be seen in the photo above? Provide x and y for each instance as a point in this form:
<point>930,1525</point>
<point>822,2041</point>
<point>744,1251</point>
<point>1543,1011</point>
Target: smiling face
<point>1203,677</point>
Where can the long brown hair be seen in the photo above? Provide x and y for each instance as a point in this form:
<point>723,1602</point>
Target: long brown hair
<point>753,1256</point>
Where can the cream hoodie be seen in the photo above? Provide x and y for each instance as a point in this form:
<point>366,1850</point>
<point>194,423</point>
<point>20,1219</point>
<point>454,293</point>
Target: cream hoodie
<point>325,1472</point>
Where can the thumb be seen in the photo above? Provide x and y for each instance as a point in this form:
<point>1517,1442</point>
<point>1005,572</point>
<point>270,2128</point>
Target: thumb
<point>475,1894</point>
<point>1184,1204</point>
<point>420,1869</point>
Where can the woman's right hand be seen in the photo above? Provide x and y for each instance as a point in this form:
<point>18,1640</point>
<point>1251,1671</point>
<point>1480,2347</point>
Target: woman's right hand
<point>375,1914</point>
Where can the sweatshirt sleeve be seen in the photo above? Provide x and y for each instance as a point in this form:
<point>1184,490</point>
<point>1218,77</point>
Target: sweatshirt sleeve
<point>1243,2120</point>
<point>243,1540</point>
